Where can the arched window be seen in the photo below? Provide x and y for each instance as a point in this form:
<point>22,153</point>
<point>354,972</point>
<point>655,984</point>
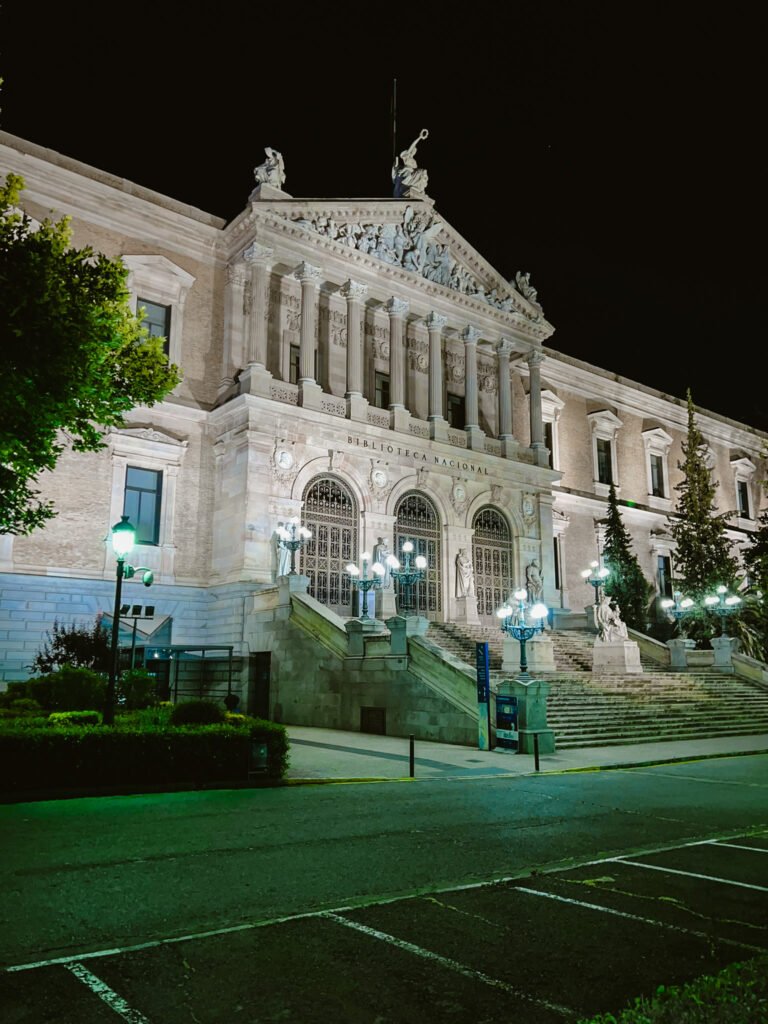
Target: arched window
<point>330,512</point>
<point>418,522</point>
<point>492,561</point>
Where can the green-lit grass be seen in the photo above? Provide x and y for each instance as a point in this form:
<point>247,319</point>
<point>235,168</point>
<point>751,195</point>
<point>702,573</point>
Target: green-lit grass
<point>736,995</point>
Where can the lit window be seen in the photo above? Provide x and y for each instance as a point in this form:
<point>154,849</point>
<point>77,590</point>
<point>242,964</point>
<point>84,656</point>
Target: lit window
<point>605,427</point>
<point>143,491</point>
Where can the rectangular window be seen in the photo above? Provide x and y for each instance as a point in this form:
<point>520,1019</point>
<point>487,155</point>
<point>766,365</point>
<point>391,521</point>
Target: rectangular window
<point>665,576</point>
<point>382,391</point>
<point>454,411</point>
<point>549,440</point>
<point>143,491</point>
<point>157,320</point>
<point>742,492</point>
<point>657,476</point>
<point>604,467</point>
<point>558,583</point>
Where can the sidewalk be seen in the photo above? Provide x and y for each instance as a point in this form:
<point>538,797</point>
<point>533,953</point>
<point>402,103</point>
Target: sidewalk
<point>329,754</point>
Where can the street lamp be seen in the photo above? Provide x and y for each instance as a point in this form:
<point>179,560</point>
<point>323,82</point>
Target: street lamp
<point>595,576</point>
<point>366,582</point>
<point>407,576</point>
<point>123,539</point>
<point>513,623</point>
<point>678,608</point>
<point>291,542</point>
<point>722,605</point>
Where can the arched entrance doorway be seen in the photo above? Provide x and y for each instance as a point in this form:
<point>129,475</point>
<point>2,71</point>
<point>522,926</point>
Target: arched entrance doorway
<point>330,512</point>
<point>492,561</point>
<point>418,521</point>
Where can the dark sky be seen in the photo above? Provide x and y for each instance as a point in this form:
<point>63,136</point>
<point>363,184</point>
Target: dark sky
<point>612,150</point>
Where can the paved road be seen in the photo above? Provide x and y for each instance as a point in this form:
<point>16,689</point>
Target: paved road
<point>533,899</point>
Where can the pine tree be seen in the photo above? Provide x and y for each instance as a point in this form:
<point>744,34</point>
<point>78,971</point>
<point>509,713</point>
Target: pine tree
<point>626,584</point>
<point>703,558</point>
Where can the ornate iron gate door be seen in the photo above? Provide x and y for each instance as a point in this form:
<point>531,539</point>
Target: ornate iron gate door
<point>418,522</point>
<point>492,561</point>
<point>330,512</point>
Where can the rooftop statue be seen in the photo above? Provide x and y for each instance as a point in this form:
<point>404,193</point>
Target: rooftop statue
<point>405,172</point>
<point>523,284</point>
<point>272,171</point>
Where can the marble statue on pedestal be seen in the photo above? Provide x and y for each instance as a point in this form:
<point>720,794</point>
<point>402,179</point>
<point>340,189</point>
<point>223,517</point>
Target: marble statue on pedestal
<point>465,577</point>
<point>272,171</point>
<point>611,627</point>
<point>406,174</point>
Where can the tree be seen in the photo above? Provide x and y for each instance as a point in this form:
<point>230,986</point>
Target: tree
<point>77,645</point>
<point>703,558</point>
<point>626,584</point>
<point>74,357</point>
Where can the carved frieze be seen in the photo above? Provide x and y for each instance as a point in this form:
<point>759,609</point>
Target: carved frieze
<point>454,364</point>
<point>284,462</point>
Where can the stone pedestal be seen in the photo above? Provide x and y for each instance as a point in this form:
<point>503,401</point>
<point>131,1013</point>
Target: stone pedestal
<point>438,429</point>
<point>357,408</point>
<point>401,627</point>
<point>357,631</point>
<point>255,380</point>
<point>385,603</point>
<point>723,646</point>
<point>475,439</point>
<point>466,610</point>
<point>400,419</point>
<point>531,713</point>
<point>678,654</point>
<point>539,654</point>
<point>310,395</point>
<point>621,657</point>
<point>510,448</point>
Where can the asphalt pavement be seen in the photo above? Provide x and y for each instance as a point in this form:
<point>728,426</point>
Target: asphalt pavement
<point>331,755</point>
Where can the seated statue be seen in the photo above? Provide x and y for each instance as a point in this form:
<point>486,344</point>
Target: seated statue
<point>272,171</point>
<point>405,172</point>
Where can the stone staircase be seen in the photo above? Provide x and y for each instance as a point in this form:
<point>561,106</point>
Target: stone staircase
<point>606,710</point>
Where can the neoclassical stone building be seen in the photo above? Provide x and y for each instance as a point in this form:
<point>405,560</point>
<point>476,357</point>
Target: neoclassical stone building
<point>359,365</point>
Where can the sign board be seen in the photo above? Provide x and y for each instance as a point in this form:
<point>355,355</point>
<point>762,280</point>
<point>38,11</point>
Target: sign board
<point>482,667</point>
<point>507,736</point>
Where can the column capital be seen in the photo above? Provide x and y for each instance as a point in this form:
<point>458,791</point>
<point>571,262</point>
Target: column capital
<point>436,321</point>
<point>505,348</point>
<point>397,307</point>
<point>536,358</point>
<point>470,335</point>
<point>353,290</point>
<point>306,272</point>
<point>256,253</point>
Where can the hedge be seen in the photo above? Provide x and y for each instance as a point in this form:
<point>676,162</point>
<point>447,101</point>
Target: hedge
<point>45,758</point>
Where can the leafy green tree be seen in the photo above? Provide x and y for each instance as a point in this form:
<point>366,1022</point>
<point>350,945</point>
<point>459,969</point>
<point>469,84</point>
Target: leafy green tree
<point>626,584</point>
<point>79,646</point>
<point>73,356</point>
<point>703,554</point>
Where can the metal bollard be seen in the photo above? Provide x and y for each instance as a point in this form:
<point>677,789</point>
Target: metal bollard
<point>412,760</point>
<point>536,751</point>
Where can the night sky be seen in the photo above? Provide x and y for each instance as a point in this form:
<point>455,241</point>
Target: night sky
<point>613,151</point>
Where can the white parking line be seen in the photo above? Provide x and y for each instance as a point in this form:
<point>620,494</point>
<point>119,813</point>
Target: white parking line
<point>689,874</point>
<point>642,920</point>
<point>738,846</point>
<point>108,995</point>
<point>452,965</point>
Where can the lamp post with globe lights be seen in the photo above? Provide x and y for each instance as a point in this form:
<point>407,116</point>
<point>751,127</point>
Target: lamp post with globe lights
<point>406,575</point>
<point>722,605</point>
<point>364,582</point>
<point>596,577</point>
<point>123,539</point>
<point>513,623</point>
<point>289,540</point>
<point>678,607</point>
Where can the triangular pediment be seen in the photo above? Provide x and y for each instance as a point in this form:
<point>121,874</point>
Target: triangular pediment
<point>407,235</point>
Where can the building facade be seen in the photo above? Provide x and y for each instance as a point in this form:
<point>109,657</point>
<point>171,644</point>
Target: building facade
<point>357,365</point>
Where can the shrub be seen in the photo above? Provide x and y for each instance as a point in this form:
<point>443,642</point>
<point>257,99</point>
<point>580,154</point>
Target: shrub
<point>197,712</point>
<point>69,689</point>
<point>18,707</point>
<point>137,689</point>
<point>78,645</point>
<point>75,718</point>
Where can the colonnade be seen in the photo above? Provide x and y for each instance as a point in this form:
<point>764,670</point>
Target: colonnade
<point>257,259</point>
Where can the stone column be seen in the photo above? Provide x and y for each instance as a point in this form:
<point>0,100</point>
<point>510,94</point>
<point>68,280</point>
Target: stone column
<point>309,390</point>
<point>255,378</point>
<point>399,415</point>
<point>357,406</point>
<point>535,359</point>
<point>234,312</point>
<point>475,436</point>
<point>439,427</point>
